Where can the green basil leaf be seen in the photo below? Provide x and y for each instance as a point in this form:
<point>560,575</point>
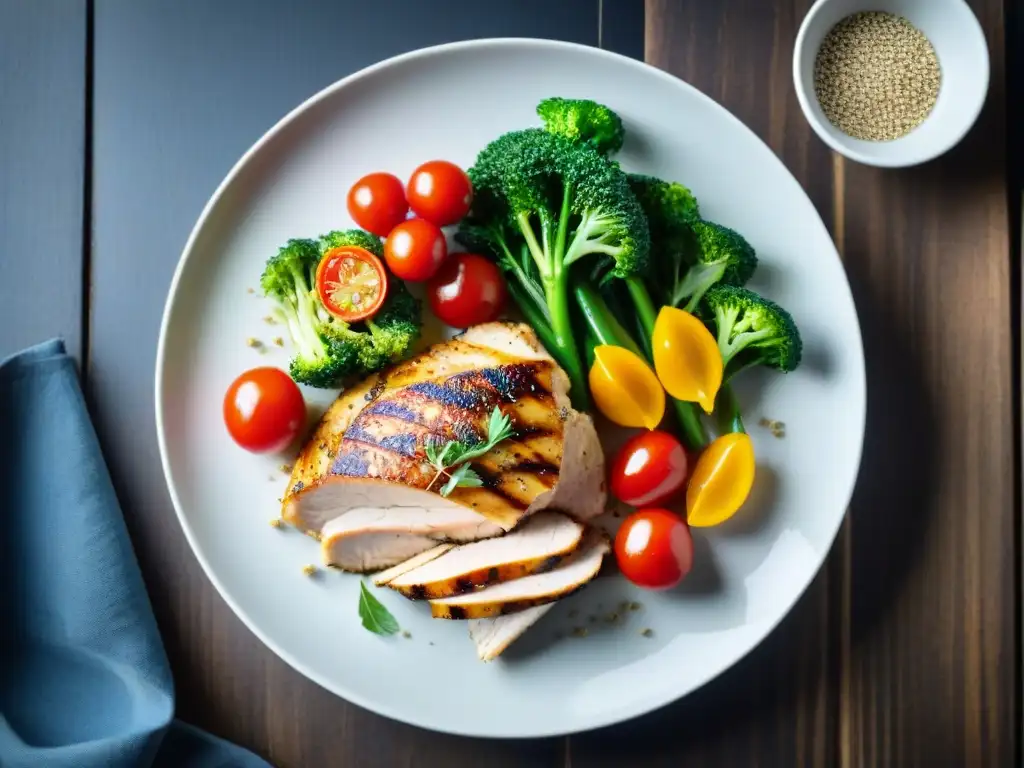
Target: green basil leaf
<point>375,616</point>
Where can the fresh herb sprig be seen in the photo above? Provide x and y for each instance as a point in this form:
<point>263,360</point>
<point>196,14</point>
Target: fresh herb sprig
<point>452,458</point>
<point>375,616</point>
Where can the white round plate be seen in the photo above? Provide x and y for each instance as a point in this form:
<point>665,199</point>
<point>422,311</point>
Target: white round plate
<point>749,573</point>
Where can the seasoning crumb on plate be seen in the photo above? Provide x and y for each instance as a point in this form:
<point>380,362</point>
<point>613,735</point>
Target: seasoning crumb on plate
<point>286,468</point>
<point>647,632</point>
<point>406,634</point>
<point>580,631</point>
<point>250,290</point>
<point>876,76</point>
<point>278,341</point>
<point>275,522</point>
<point>253,342</point>
<point>777,428</point>
<point>308,570</point>
<point>270,320</point>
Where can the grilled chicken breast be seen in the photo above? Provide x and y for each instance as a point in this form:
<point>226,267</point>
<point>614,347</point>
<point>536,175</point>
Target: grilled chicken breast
<point>538,545</point>
<point>529,591</point>
<point>369,450</point>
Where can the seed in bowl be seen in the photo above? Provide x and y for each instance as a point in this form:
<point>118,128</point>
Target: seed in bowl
<point>876,76</point>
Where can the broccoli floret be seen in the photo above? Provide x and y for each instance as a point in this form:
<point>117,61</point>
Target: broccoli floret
<point>585,121</point>
<point>543,202</point>
<point>327,372</point>
<point>393,331</point>
<point>327,350</point>
<point>289,278</point>
<point>723,257</point>
<point>668,205</point>
<point>566,201</point>
<point>689,254</point>
<point>751,330</point>
<point>356,237</point>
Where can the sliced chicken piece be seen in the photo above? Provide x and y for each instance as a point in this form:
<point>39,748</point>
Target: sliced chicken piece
<point>370,538</point>
<point>538,545</point>
<point>445,393</point>
<point>386,576</point>
<point>529,591</point>
<point>493,636</point>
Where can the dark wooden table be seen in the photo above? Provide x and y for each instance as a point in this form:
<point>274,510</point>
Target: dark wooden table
<point>119,117</point>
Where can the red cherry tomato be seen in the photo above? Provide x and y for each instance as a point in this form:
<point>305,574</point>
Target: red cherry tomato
<point>468,289</point>
<point>649,469</point>
<point>377,203</point>
<point>351,283</point>
<point>654,548</point>
<point>440,192</point>
<point>264,410</point>
<point>415,249</point>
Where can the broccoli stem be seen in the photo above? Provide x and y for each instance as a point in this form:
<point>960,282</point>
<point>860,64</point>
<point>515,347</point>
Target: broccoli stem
<point>556,288</point>
<point>727,409</point>
<point>561,326</point>
<point>535,316</point>
<point>300,317</point>
<point>698,279</point>
<point>528,289</point>
<point>694,434</point>
<point>539,255</point>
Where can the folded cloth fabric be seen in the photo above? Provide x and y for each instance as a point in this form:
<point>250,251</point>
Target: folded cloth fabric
<point>84,680</point>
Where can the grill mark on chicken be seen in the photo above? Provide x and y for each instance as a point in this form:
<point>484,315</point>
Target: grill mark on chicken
<point>403,443</point>
<point>512,381</point>
<point>446,394</point>
<point>391,408</point>
<point>351,465</point>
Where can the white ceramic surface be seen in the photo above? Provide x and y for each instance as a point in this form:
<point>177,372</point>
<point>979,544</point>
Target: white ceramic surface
<point>960,46</point>
<point>749,573</point>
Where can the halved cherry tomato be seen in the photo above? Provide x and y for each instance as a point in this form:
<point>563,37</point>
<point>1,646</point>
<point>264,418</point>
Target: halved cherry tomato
<point>721,480</point>
<point>351,283</point>
<point>440,192</point>
<point>467,290</point>
<point>264,410</point>
<point>377,203</point>
<point>625,389</point>
<point>654,548</point>
<point>649,469</point>
<point>415,249</point>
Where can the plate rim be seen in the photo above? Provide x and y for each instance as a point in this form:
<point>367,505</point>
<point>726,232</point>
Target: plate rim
<point>611,716</point>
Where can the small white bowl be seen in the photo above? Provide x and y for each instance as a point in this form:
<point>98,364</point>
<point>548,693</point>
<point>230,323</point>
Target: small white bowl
<point>963,56</point>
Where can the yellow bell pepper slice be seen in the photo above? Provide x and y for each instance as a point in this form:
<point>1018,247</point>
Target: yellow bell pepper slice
<point>721,481</point>
<point>625,389</point>
<point>686,358</point>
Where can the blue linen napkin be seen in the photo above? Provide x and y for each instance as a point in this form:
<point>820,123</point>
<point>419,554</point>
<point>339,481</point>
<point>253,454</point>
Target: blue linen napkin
<point>84,680</point>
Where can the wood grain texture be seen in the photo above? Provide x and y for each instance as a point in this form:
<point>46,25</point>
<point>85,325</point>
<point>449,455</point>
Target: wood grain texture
<point>42,163</point>
<point>779,706</point>
<point>930,678</point>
